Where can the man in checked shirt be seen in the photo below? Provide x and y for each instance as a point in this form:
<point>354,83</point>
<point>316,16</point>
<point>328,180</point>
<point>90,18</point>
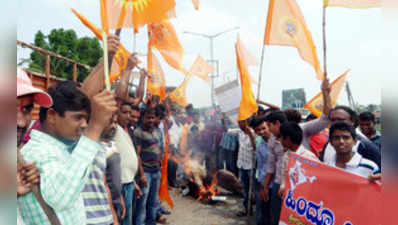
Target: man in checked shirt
<point>63,150</point>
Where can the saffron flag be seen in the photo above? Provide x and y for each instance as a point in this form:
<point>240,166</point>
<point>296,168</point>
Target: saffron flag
<point>121,56</point>
<point>163,37</point>
<point>202,69</point>
<point>164,194</point>
<point>315,105</point>
<point>116,14</point>
<point>316,193</point>
<point>195,4</point>
<point>286,27</point>
<point>156,83</point>
<point>178,94</point>
<point>353,3</point>
<point>248,105</point>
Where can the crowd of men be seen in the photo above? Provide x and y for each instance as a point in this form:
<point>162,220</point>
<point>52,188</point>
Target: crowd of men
<point>96,155</point>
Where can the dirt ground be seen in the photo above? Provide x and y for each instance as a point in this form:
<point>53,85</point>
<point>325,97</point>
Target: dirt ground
<point>188,211</point>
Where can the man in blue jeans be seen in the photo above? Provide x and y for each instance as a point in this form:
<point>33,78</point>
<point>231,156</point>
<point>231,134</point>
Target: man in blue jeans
<point>263,207</point>
<point>245,159</point>
<point>147,140</point>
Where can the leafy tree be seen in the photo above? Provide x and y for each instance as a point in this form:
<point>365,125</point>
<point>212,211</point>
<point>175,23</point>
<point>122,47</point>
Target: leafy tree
<point>85,50</point>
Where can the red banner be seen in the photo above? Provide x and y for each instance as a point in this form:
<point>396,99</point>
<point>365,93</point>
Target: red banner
<point>322,195</point>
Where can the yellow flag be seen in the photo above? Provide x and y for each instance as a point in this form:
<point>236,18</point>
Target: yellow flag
<point>315,105</point>
<point>156,84</point>
<point>202,69</point>
<point>286,27</point>
<point>248,105</point>
<point>163,37</point>
<point>178,95</point>
<point>359,4</point>
<point>120,58</point>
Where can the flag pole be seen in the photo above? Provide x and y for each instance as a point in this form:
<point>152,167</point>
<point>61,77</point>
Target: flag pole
<point>260,73</point>
<point>106,61</point>
<point>134,41</point>
<point>324,39</point>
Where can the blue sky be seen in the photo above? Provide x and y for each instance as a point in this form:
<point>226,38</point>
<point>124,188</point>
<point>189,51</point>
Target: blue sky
<point>353,38</point>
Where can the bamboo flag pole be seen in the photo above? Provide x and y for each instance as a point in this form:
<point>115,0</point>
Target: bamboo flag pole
<point>134,41</point>
<point>106,61</point>
<point>260,73</point>
<point>325,71</point>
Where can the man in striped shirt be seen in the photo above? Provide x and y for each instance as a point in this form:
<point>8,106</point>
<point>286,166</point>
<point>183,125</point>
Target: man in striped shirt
<point>64,150</point>
<point>147,140</point>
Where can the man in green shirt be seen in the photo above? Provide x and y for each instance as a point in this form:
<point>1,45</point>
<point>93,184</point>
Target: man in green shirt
<point>64,150</point>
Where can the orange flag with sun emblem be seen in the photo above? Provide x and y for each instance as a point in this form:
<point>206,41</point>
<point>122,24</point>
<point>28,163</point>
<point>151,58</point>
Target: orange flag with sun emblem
<point>163,37</point>
<point>315,105</point>
<point>178,94</point>
<point>248,105</point>
<point>116,14</point>
<point>120,58</point>
<point>202,69</point>
<point>156,83</point>
<point>286,26</point>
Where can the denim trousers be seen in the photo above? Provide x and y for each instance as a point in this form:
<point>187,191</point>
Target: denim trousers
<point>147,204</point>
<point>263,209</point>
<point>128,192</point>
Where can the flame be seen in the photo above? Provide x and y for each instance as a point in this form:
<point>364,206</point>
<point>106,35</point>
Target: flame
<point>208,191</point>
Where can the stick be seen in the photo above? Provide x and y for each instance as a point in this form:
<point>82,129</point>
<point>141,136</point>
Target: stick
<point>51,215</point>
<point>324,40</point>
<point>106,61</point>
<point>260,73</point>
<point>134,41</point>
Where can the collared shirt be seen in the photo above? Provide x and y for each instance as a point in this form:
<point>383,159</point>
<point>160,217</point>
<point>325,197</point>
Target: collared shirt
<point>262,152</point>
<point>275,158</point>
<point>94,194</point>
<point>175,132</point>
<point>376,138</point>
<point>150,144</point>
<point>357,165</point>
<point>300,151</point>
<point>63,175</point>
<point>229,142</point>
<point>245,154</point>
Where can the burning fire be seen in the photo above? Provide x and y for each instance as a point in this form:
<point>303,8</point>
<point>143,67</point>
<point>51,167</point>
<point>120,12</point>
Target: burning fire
<point>207,191</point>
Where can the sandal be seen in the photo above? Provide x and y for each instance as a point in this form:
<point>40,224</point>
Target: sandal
<point>241,213</point>
<point>166,212</point>
<point>162,220</point>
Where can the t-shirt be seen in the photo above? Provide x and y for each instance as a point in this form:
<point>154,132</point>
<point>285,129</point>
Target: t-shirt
<point>317,141</point>
<point>94,194</point>
<point>128,156</point>
<point>150,144</point>
<point>357,165</point>
<point>113,173</point>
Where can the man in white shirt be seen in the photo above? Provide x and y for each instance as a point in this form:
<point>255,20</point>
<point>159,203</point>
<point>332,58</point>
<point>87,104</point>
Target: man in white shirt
<point>343,138</point>
<point>245,161</point>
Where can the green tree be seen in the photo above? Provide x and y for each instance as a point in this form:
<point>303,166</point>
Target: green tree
<point>85,50</point>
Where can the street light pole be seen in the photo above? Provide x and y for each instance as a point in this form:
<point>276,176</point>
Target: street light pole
<point>211,38</point>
